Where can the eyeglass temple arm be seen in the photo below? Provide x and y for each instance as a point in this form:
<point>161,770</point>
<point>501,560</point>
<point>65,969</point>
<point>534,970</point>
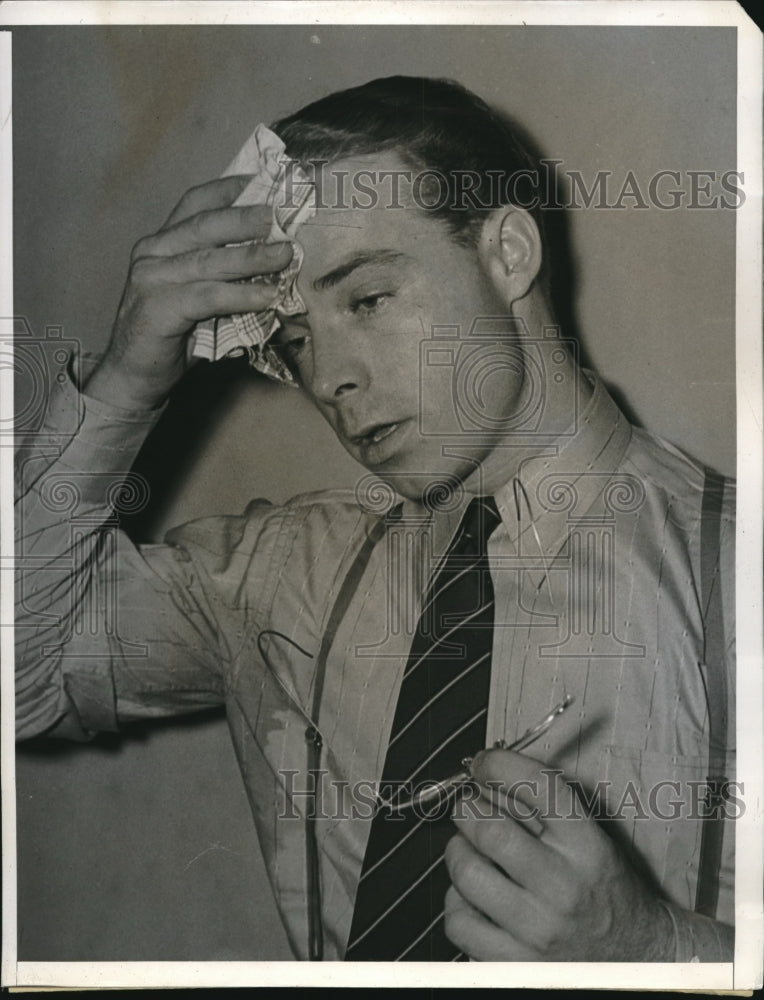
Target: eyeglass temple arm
<point>449,785</point>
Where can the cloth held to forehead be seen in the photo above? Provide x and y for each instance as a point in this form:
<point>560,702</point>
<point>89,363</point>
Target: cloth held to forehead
<point>281,183</point>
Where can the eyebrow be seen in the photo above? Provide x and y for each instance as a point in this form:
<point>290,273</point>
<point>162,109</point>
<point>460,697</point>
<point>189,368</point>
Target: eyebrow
<point>339,273</point>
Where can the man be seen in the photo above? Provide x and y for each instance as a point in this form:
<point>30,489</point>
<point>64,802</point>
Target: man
<point>586,564</point>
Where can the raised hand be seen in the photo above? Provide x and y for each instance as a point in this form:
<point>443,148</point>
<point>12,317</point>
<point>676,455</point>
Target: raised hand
<point>184,273</point>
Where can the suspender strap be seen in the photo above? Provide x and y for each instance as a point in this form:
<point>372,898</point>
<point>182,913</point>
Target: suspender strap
<point>715,679</point>
<point>315,741</point>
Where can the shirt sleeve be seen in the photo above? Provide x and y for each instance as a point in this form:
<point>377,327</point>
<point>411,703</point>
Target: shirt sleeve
<point>106,631</point>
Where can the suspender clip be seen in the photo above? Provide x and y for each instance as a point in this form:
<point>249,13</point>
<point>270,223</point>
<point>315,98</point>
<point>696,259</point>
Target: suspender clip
<point>313,736</point>
<point>717,793</point>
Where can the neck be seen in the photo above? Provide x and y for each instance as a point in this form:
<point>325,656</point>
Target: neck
<point>558,390</point>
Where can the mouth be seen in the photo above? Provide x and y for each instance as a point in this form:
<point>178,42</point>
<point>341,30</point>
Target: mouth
<point>375,434</point>
<point>377,442</point>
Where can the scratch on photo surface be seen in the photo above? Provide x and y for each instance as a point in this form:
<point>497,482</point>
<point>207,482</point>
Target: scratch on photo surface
<point>212,847</point>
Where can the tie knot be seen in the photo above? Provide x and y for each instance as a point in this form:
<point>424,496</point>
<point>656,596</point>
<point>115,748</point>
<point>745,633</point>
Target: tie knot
<point>480,519</point>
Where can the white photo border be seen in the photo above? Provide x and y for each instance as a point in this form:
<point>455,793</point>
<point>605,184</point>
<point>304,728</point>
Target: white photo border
<point>745,972</point>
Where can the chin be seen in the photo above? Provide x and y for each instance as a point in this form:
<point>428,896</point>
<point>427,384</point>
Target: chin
<point>417,479</point>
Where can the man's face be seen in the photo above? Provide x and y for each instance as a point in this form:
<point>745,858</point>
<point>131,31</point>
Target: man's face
<point>375,283</point>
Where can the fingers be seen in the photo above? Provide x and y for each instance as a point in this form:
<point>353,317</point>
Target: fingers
<point>215,264</point>
<point>481,884</point>
<point>520,855</point>
<point>478,937</point>
<point>204,299</point>
<point>185,273</point>
<point>541,791</point>
<point>526,916</point>
<point>561,895</point>
<point>508,768</point>
<point>210,228</point>
<point>205,283</point>
<point>214,194</point>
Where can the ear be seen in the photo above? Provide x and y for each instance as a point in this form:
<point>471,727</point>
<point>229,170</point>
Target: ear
<point>510,251</point>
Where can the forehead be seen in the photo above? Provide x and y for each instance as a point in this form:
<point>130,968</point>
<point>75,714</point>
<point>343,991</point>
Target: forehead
<point>335,181</point>
<point>366,203</point>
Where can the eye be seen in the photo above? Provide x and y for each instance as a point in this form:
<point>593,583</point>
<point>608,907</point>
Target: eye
<point>295,344</point>
<point>367,304</point>
<point>292,347</point>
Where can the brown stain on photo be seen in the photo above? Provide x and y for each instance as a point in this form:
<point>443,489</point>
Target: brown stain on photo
<point>157,75</point>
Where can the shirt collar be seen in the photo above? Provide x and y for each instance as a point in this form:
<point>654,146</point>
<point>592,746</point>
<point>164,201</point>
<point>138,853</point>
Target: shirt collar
<point>558,488</point>
<point>554,489</point>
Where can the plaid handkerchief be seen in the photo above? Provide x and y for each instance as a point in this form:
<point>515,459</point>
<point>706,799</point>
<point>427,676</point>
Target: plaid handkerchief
<point>281,183</point>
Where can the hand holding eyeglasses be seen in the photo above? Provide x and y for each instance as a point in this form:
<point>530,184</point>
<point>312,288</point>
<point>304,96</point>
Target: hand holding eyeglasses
<point>441,791</point>
<point>558,889</point>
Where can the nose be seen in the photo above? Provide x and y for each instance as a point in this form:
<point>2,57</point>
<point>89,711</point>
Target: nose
<point>340,367</point>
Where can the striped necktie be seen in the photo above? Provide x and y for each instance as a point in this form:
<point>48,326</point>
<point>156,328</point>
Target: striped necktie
<point>439,719</point>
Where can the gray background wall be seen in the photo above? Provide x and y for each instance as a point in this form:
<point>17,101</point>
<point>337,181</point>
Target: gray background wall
<point>145,850</point>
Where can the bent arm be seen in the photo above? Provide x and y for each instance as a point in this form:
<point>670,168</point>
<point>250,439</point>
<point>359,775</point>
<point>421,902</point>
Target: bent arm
<point>106,631</point>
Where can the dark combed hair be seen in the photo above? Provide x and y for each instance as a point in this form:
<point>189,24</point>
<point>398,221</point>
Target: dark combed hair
<point>433,125</point>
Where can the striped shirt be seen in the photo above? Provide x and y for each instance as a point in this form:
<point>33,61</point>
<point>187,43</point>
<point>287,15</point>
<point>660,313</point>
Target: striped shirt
<point>596,571</point>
